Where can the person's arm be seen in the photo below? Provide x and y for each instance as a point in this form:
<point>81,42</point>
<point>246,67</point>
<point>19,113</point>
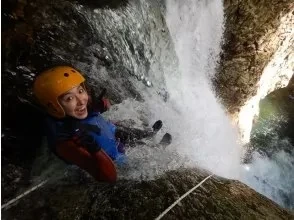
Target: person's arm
<point>98,164</point>
<point>99,104</point>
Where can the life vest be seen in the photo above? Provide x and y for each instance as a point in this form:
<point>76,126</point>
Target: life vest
<point>64,129</point>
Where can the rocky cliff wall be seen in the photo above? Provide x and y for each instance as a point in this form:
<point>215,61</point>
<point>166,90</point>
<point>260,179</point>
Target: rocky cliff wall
<point>257,56</point>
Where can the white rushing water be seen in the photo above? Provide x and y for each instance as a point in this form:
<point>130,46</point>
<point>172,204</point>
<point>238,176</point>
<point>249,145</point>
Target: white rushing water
<point>202,133</point>
<point>272,177</point>
<point>203,136</point>
<point>202,130</point>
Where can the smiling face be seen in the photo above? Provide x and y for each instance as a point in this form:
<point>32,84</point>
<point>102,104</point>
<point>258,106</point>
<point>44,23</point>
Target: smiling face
<point>74,102</point>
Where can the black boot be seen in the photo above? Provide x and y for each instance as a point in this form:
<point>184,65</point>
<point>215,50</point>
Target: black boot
<point>157,126</point>
<point>166,139</point>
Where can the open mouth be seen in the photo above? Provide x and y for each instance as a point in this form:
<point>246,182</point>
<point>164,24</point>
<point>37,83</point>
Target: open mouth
<point>81,111</point>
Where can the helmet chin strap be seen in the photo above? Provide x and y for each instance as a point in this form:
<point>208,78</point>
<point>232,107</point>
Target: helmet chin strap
<point>53,110</point>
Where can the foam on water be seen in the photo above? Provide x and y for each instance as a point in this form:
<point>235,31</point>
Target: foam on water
<point>202,133</point>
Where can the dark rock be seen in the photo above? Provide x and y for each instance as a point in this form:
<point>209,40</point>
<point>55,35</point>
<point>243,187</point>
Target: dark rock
<point>113,48</point>
<point>247,47</point>
<point>217,198</point>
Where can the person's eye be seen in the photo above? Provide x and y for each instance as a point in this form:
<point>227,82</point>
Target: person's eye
<point>68,99</point>
<point>81,90</point>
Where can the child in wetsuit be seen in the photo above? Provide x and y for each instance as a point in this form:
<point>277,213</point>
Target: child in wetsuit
<point>76,131</point>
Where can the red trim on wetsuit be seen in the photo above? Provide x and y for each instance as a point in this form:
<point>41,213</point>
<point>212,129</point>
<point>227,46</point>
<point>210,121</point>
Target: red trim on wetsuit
<point>99,165</point>
<point>100,106</point>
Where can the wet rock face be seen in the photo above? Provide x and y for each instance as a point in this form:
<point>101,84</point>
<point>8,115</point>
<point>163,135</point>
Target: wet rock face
<point>39,34</point>
<point>113,4</point>
<point>250,40</point>
<point>217,198</point>
<point>105,40</point>
<point>113,42</point>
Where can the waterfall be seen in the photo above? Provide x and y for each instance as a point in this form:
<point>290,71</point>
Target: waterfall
<point>203,131</point>
<point>132,52</point>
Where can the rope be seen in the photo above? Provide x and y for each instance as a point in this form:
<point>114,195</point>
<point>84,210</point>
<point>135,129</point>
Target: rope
<point>9,203</point>
<point>24,194</point>
<point>182,197</point>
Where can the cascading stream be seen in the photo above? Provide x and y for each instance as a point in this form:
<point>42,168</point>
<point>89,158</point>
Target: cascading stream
<point>178,78</point>
<point>202,133</point>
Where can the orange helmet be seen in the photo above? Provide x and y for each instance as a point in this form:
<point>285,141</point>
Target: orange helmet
<point>52,83</point>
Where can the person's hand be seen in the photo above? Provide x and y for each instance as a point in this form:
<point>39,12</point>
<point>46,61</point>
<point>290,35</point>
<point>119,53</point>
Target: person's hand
<point>87,140</point>
<point>120,147</point>
<point>106,104</point>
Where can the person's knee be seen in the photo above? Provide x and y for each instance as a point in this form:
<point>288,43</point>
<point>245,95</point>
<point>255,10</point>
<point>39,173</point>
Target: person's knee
<point>106,170</point>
